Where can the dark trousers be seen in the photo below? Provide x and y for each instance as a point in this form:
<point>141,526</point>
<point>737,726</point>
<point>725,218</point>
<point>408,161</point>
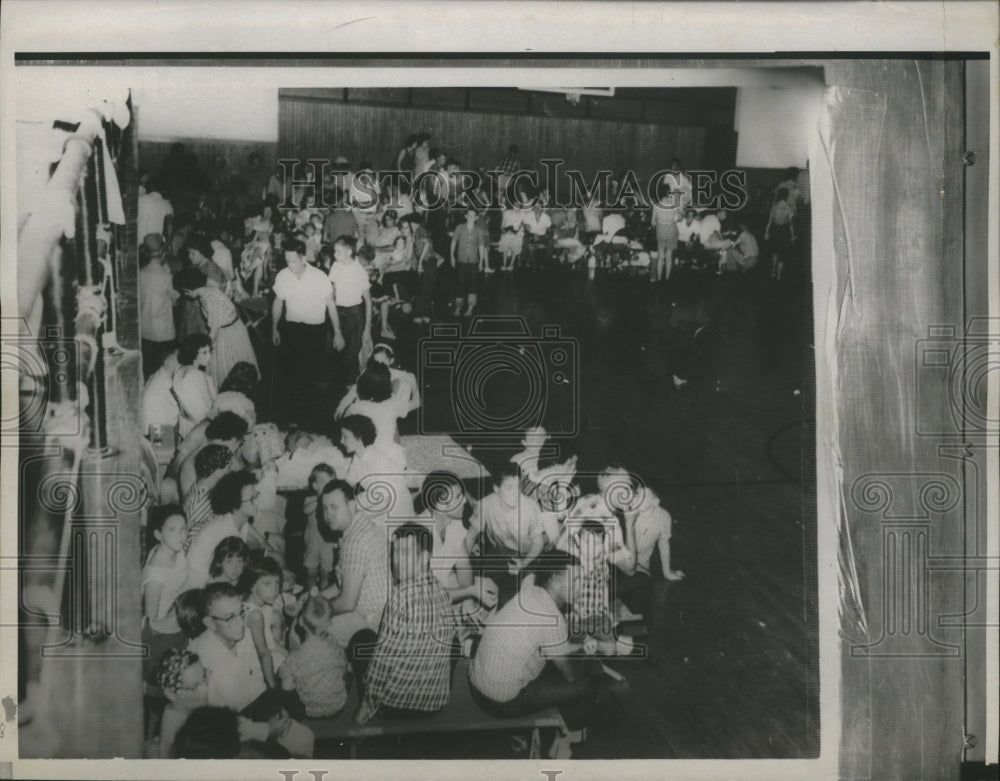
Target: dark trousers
<point>425,289</point>
<point>492,564</point>
<point>352,327</point>
<point>575,699</point>
<point>360,650</point>
<point>304,372</point>
<point>636,591</point>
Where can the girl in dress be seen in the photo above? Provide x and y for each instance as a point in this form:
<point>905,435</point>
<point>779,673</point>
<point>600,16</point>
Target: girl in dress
<point>165,571</point>
<point>261,583</point>
<point>229,559</point>
<point>256,255</point>
<point>230,338</point>
<point>377,398</point>
<point>193,388</point>
<point>425,265</point>
<point>386,237</point>
<point>511,236</point>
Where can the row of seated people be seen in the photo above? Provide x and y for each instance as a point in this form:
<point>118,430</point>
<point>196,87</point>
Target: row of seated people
<point>454,572</point>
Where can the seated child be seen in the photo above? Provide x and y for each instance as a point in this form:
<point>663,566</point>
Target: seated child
<point>312,240</point>
<point>316,669</point>
<point>305,452</point>
<point>590,616</point>
<point>511,530</point>
<point>229,559</point>
<point>546,478</point>
<point>742,256</point>
<point>261,586</point>
<point>511,237</point>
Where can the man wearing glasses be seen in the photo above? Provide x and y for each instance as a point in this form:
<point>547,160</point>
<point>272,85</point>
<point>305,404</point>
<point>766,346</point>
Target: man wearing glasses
<point>235,678</point>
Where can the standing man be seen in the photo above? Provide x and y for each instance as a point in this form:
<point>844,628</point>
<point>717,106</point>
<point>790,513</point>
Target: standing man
<point>469,247</point>
<point>156,304</point>
<point>353,299</point>
<point>305,296</point>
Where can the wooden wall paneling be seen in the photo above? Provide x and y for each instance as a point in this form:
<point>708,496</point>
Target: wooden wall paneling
<point>152,152</point>
<point>897,250</point>
<point>311,128</point>
<point>978,463</point>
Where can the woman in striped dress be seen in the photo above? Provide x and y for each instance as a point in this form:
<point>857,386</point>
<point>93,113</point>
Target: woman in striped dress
<point>230,338</point>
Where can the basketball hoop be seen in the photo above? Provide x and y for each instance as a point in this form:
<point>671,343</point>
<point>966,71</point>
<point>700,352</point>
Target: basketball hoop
<point>573,98</point>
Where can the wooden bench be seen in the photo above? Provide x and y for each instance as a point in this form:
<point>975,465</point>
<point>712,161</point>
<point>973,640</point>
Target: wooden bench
<point>461,714</point>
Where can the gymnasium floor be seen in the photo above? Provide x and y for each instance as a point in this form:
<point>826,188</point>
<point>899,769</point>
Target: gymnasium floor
<point>732,663</point>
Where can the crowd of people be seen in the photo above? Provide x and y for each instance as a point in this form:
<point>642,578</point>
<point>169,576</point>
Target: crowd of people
<point>293,556</point>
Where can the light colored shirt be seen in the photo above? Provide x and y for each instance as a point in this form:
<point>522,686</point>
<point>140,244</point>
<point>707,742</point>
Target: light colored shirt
<point>223,258</point>
<point>156,303</point>
<point>152,210</point>
<point>686,231</point>
<point>159,408</point>
<point>708,226</point>
<point>364,551</point>
<point>305,297</point>
<point>512,218</point>
<point>651,524</point>
<point>513,528</point>
<point>612,224</point>
<point>446,550</point>
<point>172,578</point>
<point>235,678</point>
<point>537,224</point>
<point>350,281</point>
<point>516,643</point>
<point>381,473</point>
<point>203,546</point>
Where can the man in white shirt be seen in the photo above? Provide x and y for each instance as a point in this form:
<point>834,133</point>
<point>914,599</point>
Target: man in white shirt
<point>538,226</point>
<point>352,296</point>
<point>510,525</point>
<point>152,212</point>
<point>156,304</point>
<point>305,296</point>
<point>226,649</point>
<point>523,664</point>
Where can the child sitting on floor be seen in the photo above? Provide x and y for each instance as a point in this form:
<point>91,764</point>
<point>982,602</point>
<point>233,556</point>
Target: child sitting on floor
<point>261,585</point>
<point>316,669</point>
<point>590,617</point>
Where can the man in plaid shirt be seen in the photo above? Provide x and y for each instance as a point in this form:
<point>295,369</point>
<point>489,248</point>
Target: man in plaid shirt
<point>410,671</point>
<point>361,595</point>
